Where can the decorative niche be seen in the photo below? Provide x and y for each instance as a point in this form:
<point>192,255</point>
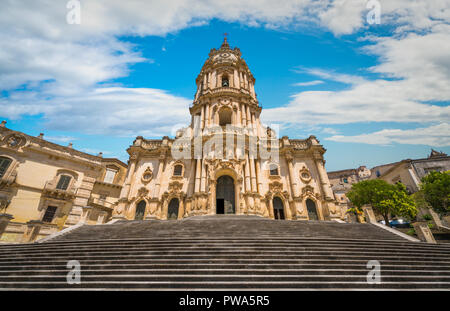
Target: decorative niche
<point>305,175</point>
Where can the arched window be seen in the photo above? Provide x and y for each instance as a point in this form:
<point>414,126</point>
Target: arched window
<point>273,170</point>
<point>172,210</point>
<point>4,164</point>
<point>63,183</point>
<point>225,81</point>
<point>140,210</point>
<point>225,116</point>
<point>178,170</point>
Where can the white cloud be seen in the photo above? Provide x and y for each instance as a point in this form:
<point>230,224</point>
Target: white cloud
<point>309,83</point>
<point>62,65</point>
<point>414,76</point>
<point>435,136</point>
<point>60,139</point>
<point>109,110</point>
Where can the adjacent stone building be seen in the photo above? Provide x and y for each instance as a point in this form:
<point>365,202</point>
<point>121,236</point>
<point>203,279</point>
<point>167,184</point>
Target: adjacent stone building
<point>45,187</point>
<point>409,172</point>
<point>226,161</point>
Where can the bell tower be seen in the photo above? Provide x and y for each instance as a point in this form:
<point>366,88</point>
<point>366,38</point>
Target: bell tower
<point>225,92</point>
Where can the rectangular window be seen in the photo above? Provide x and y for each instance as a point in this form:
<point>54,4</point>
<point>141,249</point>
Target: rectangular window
<point>4,163</point>
<point>109,176</point>
<point>177,170</point>
<point>49,214</point>
<point>63,182</point>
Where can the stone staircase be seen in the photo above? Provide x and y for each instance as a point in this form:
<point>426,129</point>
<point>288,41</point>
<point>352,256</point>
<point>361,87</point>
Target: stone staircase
<point>226,253</point>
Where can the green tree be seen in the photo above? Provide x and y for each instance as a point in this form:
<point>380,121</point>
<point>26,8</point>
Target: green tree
<point>384,198</point>
<point>436,189</point>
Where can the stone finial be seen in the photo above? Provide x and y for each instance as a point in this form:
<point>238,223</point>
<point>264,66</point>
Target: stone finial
<point>3,123</point>
<point>41,135</point>
<point>70,145</point>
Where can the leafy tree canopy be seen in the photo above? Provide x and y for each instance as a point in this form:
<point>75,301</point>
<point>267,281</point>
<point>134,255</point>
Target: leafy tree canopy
<point>384,198</point>
<point>436,189</point>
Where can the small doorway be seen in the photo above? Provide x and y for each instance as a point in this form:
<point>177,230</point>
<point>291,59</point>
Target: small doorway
<point>172,211</point>
<point>140,211</point>
<point>312,210</point>
<point>225,195</point>
<point>278,208</point>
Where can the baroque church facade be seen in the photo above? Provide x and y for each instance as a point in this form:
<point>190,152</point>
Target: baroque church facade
<point>226,161</point>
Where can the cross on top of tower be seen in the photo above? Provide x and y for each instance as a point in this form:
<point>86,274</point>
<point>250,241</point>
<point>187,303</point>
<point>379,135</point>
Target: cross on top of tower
<point>225,42</point>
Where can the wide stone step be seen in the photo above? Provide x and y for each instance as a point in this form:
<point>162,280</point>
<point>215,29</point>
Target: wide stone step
<point>251,260</point>
<point>221,246</point>
<point>227,266</point>
<point>179,278</point>
<point>225,271</point>
<point>225,285</point>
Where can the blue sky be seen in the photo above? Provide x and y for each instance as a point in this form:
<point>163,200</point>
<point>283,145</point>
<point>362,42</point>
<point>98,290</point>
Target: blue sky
<point>371,94</point>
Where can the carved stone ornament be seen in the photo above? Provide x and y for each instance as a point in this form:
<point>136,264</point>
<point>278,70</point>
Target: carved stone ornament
<point>305,175</point>
<point>142,192</point>
<point>15,141</point>
<point>308,191</point>
<point>147,176</point>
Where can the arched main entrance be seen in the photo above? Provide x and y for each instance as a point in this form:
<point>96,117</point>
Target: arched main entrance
<point>225,196</point>
<point>278,208</point>
<point>312,210</point>
<point>172,211</point>
<point>140,210</point>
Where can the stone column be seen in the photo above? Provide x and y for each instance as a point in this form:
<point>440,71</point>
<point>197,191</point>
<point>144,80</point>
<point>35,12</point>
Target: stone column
<point>207,116</point>
<point>249,117</point>
<point>212,195</point>
<point>126,189</point>
<point>181,209</point>
<point>253,174</point>
<point>159,177</point>
<point>239,116</point>
<point>244,115</point>
<point>271,208</point>
<point>202,118</point>
<point>4,222</point>
<point>254,124</point>
<point>101,217</point>
<point>323,178</point>
<point>259,176</point>
<point>247,174</point>
<point>294,189</point>
<point>198,172</point>
<point>203,184</point>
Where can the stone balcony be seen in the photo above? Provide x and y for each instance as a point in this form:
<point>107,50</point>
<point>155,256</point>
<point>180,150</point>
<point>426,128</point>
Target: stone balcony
<point>50,190</point>
<point>100,203</point>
